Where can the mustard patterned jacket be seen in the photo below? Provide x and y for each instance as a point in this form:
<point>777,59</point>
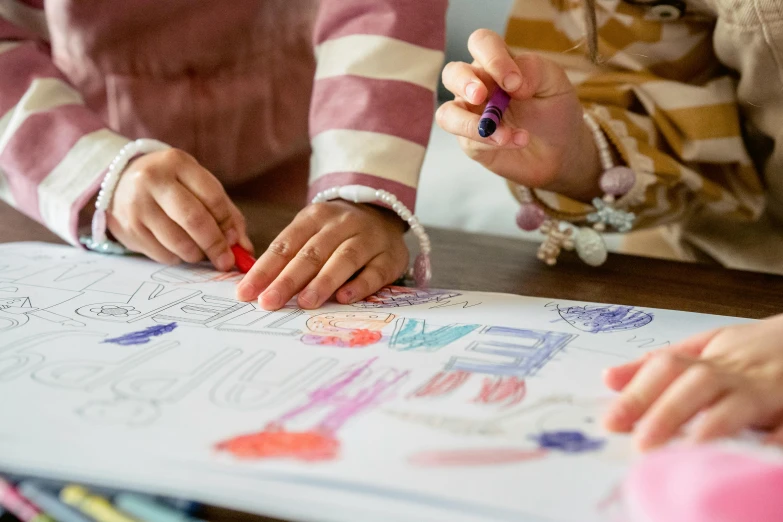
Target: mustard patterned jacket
<point>691,96</point>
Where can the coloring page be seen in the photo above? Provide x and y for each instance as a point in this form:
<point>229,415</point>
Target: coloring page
<point>413,404</point>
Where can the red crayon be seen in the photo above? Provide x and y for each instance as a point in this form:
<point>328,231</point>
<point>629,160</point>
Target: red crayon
<point>243,260</point>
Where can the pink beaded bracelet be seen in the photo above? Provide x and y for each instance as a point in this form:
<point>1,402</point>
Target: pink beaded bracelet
<point>587,241</point>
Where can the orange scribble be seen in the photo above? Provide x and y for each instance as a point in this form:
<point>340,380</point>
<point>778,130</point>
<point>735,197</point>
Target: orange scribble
<point>277,443</point>
<point>509,390</point>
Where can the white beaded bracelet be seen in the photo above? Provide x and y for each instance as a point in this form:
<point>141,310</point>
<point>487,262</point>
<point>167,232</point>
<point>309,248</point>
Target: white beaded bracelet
<point>422,267</point>
<point>590,246</point>
<point>98,241</point>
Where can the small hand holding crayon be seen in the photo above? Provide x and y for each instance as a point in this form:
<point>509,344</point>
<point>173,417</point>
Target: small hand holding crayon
<point>520,117</point>
<point>171,209</point>
<point>336,248</point>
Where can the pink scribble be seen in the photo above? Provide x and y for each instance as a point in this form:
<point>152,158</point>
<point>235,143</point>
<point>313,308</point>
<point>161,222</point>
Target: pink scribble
<point>476,457</point>
<point>319,442</point>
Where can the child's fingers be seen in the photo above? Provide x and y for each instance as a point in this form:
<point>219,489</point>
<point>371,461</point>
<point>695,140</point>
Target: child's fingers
<point>543,77</point>
<point>138,238</point>
<point>617,377</point>
<point>491,54</point>
<point>303,269</point>
<point>644,389</point>
<point>276,257</point>
<point>240,225</point>
<point>454,118</point>
<point>170,235</point>
<point>381,271</point>
<point>776,436</point>
<point>727,417</point>
<point>463,80</point>
<point>206,187</point>
<point>346,260</point>
<point>694,390</point>
<point>189,213</point>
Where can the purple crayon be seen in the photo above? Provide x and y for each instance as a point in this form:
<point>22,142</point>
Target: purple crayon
<point>493,113</point>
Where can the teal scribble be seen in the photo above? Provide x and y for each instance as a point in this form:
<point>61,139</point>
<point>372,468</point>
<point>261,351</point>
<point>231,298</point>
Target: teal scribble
<point>415,335</point>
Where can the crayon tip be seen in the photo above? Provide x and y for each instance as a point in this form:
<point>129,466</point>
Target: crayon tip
<point>486,128</point>
<point>243,260</point>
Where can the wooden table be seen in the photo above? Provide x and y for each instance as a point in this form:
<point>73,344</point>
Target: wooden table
<point>473,262</point>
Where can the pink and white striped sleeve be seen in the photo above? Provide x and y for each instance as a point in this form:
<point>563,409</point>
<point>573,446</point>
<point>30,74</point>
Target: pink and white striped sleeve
<point>53,150</point>
<point>378,64</point>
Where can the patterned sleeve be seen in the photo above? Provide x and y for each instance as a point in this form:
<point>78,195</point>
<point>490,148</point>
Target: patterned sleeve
<point>378,63</point>
<point>667,105</point>
<point>53,150</point>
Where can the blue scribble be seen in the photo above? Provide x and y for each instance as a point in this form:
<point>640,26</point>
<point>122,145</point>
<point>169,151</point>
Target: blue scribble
<point>523,353</point>
<point>142,337</point>
<point>414,334</point>
<point>568,441</point>
<point>604,318</point>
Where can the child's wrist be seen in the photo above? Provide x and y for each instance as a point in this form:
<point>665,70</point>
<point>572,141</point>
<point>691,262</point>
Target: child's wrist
<point>580,174</point>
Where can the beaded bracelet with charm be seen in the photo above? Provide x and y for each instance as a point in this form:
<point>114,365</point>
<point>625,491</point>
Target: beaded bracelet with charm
<point>615,181</point>
<point>421,273</point>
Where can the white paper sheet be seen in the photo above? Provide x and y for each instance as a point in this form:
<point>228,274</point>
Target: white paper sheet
<point>439,405</point>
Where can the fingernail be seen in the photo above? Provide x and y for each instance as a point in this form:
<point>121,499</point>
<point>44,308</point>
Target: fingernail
<point>247,291</point>
<point>308,298</point>
<point>270,298</point>
<point>470,91</point>
<point>232,236</point>
<point>512,82</point>
<point>225,261</point>
<point>520,139</point>
<point>496,139</point>
<point>348,296</point>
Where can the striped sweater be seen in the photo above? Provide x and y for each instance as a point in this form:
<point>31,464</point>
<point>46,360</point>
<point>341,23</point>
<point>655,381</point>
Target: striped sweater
<point>230,85</point>
<point>694,105</point>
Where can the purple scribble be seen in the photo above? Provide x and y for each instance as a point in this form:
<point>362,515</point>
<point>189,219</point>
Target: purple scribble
<point>604,318</point>
<point>399,296</point>
<point>568,441</point>
<point>142,337</point>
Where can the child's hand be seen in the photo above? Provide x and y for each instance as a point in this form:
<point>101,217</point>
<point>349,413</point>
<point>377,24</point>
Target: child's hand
<point>169,208</point>
<point>733,375</point>
<point>327,244</point>
<point>542,141</point>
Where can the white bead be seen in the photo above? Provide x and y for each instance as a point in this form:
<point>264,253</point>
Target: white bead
<point>357,193</point>
<point>405,215</point>
<point>590,246</point>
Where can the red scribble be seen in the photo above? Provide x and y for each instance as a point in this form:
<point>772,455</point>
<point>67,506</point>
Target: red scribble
<point>509,390</point>
<point>476,457</point>
<point>442,383</point>
<point>363,337</point>
<point>274,442</point>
